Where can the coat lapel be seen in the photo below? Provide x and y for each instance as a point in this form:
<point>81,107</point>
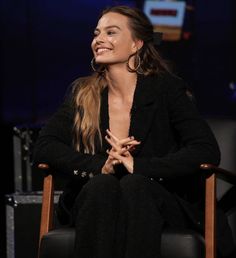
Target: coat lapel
<point>104,118</point>
<point>143,109</point>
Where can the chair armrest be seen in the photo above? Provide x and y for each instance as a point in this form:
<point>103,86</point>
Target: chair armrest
<point>220,172</point>
<point>44,166</point>
<point>47,201</point>
<point>212,172</point>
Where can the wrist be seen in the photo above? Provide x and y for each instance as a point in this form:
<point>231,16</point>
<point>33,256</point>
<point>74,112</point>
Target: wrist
<point>106,169</point>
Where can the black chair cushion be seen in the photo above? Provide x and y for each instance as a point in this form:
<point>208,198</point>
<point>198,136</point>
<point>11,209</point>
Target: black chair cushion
<point>59,243</point>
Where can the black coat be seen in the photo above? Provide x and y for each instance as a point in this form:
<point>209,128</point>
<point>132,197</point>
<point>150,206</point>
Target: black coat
<point>175,139</point>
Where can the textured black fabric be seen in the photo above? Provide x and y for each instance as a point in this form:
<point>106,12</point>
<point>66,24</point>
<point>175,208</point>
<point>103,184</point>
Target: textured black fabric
<point>123,218</point>
<point>175,140</point>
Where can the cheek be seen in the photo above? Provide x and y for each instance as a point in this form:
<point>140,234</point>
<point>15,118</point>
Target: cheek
<point>120,45</point>
<point>92,45</point>
<point>114,42</point>
<point>126,45</point>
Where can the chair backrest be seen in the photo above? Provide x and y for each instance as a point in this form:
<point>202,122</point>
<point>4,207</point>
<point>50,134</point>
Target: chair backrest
<point>225,132</point>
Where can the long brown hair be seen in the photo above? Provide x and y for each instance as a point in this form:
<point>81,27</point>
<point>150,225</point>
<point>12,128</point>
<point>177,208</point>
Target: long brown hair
<point>87,91</point>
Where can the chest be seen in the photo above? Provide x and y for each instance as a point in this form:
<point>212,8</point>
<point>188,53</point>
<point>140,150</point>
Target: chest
<point>119,118</point>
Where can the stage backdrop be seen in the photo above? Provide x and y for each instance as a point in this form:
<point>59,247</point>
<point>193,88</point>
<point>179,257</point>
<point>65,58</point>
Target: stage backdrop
<point>46,45</point>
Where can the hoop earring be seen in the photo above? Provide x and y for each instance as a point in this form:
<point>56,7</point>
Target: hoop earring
<point>135,69</point>
<point>98,70</point>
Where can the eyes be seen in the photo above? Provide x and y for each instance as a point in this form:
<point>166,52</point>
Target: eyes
<point>108,33</point>
<point>111,32</point>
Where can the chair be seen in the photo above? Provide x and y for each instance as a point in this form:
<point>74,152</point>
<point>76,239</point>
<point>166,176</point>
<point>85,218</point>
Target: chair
<point>175,244</point>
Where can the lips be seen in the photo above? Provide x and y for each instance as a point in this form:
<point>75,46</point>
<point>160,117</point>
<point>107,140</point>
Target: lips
<point>101,50</point>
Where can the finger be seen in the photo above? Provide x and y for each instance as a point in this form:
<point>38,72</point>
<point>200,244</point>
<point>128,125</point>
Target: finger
<point>130,142</point>
<point>110,158</point>
<point>124,150</point>
<point>132,145</point>
<point>112,143</point>
<point>120,157</point>
<point>112,135</point>
<point>116,156</point>
<point>121,151</point>
<point>126,140</point>
<point>132,148</point>
<point>134,142</point>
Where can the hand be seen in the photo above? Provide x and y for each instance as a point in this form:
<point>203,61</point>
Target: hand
<point>120,152</point>
<point>124,158</point>
<point>108,167</point>
<point>128,142</point>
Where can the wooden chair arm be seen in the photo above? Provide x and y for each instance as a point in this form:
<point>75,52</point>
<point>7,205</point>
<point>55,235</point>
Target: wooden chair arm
<point>210,204</point>
<point>44,166</point>
<point>47,201</point>
<point>220,172</point>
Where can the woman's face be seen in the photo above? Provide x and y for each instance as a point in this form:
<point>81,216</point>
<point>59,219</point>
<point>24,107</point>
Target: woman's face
<point>113,42</point>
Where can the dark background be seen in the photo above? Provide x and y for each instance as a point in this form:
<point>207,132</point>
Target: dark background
<point>45,45</point>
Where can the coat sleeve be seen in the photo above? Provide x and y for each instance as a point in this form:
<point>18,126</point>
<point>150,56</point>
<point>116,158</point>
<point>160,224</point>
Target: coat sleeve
<point>54,146</point>
<point>196,141</point>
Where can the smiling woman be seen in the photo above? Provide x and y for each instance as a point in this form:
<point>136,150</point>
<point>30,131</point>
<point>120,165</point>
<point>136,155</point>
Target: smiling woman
<point>133,137</point>
<point>113,42</point>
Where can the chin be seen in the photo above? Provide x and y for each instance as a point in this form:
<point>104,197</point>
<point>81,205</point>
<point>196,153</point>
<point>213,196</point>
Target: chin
<point>101,60</point>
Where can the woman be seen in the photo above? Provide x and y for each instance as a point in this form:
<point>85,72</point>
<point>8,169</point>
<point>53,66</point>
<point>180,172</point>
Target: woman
<point>131,134</point>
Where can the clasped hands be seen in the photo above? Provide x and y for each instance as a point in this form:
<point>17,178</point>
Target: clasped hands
<point>120,153</point>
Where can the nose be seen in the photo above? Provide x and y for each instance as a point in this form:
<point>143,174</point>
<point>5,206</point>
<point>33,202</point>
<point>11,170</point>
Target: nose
<point>100,38</point>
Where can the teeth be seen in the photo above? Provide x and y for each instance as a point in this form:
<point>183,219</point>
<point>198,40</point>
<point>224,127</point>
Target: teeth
<point>102,50</point>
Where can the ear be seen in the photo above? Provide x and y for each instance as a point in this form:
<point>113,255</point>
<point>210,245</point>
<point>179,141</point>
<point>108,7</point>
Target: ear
<point>138,43</point>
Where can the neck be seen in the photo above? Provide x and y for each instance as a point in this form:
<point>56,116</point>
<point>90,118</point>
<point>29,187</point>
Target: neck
<point>121,83</point>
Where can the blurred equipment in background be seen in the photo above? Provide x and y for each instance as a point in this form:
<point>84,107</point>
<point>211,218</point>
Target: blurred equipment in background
<point>23,206</point>
<point>173,18</point>
<point>24,137</point>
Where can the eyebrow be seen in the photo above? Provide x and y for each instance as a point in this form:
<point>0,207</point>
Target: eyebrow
<point>109,27</point>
